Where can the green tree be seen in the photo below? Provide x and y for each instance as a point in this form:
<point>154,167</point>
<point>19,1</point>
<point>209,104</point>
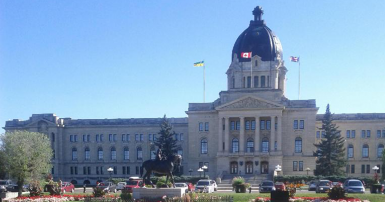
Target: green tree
<point>166,141</point>
<point>331,159</point>
<point>27,156</point>
<point>2,165</point>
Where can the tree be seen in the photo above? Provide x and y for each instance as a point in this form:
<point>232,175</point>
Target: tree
<point>27,156</point>
<point>2,165</point>
<point>331,159</point>
<point>166,141</point>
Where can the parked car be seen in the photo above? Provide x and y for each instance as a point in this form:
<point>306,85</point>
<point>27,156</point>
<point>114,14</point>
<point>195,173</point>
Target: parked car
<point>323,186</point>
<point>280,186</point>
<point>215,185</point>
<point>108,187</point>
<point>205,186</point>
<point>354,186</point>
<point>184,186</point>
<point>133,183</point>
<point>191,187</point>
<point>266,187</point>
<point>312,185</point>
<point>121,185</point>
<point>334,184</point>
<point>7,185</point>
<point>67,187</point>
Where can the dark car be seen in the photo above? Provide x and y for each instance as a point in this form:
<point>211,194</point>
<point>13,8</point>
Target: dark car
<point>108,187</point>
<point>323,186</point>
<point>6,185</point>
<point>266,187</point>
<point>312,185</point>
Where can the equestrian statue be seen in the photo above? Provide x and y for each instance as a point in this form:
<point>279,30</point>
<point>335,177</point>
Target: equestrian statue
<point>161,165</point>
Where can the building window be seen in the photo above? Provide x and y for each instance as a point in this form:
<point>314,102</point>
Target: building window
<point>256,81</point>
<point>301,124</point>
<point>74,154</point>
<point>113,153</point>
<point>101,137</point>
<point>114,137</point>
<point>379,169</point>
<point>204,146</point>
<point>250,145</point>
<point>126,154</point>
<point>323,134</point>
<point>352,170</point>
<point>350,151</point>
<point>123,137</point>
<point>110,138</point>
<point>300,165</point>
<point>298,145</point>
<point>268,125</point>
<point>206,126</point>
<point>141,137</point>
<point>295,125</point>
<point>383,133</point>
<point>128,137</point>
<point>263,81</point>
<point>362,168</point>
<point>235,145</point>
<point>367,168</point>
<point>139,153</point>
<point>252,125</point>
<point>295,165</point>
<point>353,133</point>
<point>200,126</point>
<point>115,170</point>
<point>317,135</point>
<point>368,133</point>
<point>265,145</point>
<point>152,153</point>
<point>137,137</point>
<point>249,81</point>
<point>84,138</point>
<point>100,153</point>
<point>247,125</point>
<point>232,125</point>
<point>378,133</point>
<point>262,126</point>
<point>348,134</point>
<point>380,148</point>
<point>150,137</point>
<point>238,125</point>
<point>87,153</point>
<point>71,138</point>
<point>53,137</point>
<point>365,151</point>
<point>363,135</point>
<point>180,151</point>
<point>75,138</point>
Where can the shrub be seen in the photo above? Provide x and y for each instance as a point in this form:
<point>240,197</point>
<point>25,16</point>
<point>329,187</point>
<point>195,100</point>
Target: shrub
<point>125,195</point>
<point>337,192</point>
<point>98,192</point>
<point>161,183</point>
<point>237,181</point>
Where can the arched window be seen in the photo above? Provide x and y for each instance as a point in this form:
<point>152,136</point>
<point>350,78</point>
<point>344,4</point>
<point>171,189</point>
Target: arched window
<point>180,151</point>
<point>250,145</point>
<point>380,148</point>
<point>113,153</point>
<point>74,154</point>
<point>139,153</point>
<point>87,153</point>
<point>126,154</point>
<point>100,153</point>
<point>365,151</point>
<point>204,146</point>
<point>298,145</point>
<point>265,145</point>
<point>235,145</point>
<point>152,153</point>
<point>350,151</point>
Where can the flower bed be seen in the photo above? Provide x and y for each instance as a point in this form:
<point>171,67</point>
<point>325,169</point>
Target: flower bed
<point>56,198</point>
<point>312,199</point>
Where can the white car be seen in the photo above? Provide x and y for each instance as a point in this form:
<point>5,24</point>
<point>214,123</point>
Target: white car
<point>183,186</point>
<point>120,185</point>
<point>205,186</point>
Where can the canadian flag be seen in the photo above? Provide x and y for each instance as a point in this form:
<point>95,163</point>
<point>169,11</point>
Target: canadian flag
<point>246,54</point>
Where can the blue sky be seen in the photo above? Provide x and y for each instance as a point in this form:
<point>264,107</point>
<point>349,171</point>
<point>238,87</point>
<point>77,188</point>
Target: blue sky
<point>134,59</point>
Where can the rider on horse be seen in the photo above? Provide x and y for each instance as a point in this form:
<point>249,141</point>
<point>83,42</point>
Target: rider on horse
<point>159,155</point>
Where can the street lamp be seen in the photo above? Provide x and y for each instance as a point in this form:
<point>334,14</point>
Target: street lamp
<point>204,171</point>
<point>277,170</point>
<point>200,170</point>
<point>110,170</point>
<point>307,171</point>
<point>375,168</point>
<point>190,171</point>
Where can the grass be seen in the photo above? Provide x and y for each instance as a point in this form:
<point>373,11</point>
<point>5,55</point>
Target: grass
<point>246,196</point>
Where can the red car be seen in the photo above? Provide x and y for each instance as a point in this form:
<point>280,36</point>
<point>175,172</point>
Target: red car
<point>190,187</point>
<point>67,187</point>
<point>280,186</point>
<point>130,184</point>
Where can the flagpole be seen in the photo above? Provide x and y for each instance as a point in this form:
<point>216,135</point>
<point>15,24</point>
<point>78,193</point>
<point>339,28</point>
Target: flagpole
<point>299,77</point>
<point>204,82</point>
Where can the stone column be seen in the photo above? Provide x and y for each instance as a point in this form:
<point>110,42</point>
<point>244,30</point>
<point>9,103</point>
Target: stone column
<point>279,134</point>
<point>242,135</point>
<point>257,143</point>
<point>272,133</point>
<point>227,134</point>
<point>220,135</point>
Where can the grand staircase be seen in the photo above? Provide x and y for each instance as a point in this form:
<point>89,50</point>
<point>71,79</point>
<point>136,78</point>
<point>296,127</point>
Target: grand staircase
<point>225,185</point>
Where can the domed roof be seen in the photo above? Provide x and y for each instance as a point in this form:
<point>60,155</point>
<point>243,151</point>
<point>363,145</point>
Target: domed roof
<point>258,39</point>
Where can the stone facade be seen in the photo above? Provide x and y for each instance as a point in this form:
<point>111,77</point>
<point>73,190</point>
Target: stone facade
<point>251,128</point>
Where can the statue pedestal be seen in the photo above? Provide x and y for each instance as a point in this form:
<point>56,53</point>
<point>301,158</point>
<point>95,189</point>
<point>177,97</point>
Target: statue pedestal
<point>139,193</point>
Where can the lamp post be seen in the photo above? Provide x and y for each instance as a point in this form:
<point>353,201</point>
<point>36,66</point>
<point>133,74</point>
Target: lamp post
<point>204,171</point>
<point>307,171</point>
<point>200,170</point>
<point>277,170</point>
<point>110,170</point>
<point>190,171</point>
<point>375,168</point>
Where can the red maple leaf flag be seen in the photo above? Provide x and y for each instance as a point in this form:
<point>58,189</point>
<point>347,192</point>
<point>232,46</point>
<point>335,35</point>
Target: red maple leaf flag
<point>246,54</point>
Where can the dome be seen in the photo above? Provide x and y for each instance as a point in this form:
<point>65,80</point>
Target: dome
<point>258,39</point>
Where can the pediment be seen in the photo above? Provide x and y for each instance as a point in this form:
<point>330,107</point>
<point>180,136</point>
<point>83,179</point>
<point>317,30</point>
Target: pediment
<point>250,102</point>
<point>42,123</point>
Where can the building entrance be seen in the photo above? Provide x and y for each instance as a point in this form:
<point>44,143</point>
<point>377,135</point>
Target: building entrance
<point>264,167</point>
<point>234,167</point>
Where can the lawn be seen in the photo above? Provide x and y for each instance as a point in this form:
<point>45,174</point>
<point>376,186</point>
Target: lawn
<point>246,197</point>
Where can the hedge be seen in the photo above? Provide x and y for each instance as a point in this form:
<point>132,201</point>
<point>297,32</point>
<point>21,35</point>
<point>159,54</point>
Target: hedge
<point>299,179</point>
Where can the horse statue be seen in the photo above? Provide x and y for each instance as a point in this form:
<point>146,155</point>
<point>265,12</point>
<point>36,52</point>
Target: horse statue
<point>164,167</point>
